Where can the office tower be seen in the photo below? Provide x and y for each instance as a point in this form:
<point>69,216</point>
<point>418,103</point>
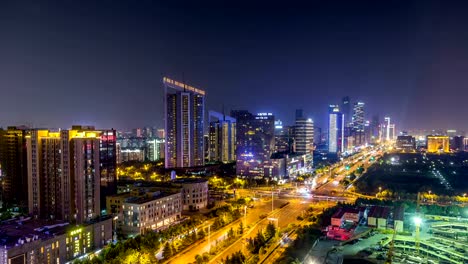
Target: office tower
<point>318,137</point>
<point>155,149</point>
<point>108,163</point>
<point>255,143</point>
<point>303,134</point>
<point>346,111</point>
<point>375,129</point>
<point>284,138</point>
<point>386,126</point>
<point>335,130</point>
<point>391,131</point>
<point>358,116</point>
<point>13,166</point>
<point>185,119</point>
<point>358,123</point>
<point>64,174</point>
<point>222,137</point>
<point>437,144</point>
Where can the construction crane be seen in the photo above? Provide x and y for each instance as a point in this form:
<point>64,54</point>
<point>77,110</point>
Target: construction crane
<point>417,222</point>
<point>390,250</point>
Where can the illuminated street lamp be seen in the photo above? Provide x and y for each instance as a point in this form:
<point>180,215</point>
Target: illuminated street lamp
<point>115,227</point>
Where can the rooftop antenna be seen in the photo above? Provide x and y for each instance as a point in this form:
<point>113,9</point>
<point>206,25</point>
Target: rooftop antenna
<point>183,81</point>
<point>224,114</point>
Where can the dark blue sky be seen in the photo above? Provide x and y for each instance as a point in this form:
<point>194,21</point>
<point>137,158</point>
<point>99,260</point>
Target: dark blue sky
<point>69,62</point>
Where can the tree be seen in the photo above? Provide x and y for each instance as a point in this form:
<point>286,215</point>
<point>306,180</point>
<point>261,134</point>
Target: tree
<point>241,228</point>
<point>230,233</point>
<point>201,234</point>
<point>167,251</point>
<point>270,231</point>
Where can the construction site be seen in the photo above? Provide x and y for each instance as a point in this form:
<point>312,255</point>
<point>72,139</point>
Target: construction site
<point>382,237</point>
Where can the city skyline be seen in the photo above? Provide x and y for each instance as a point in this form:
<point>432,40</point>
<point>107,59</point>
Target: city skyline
<point>120,52</point>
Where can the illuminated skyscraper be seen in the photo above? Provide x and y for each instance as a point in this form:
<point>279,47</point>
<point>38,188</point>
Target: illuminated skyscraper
<point>64,174</point>
<point>284,138</point>
<point>222,137</point>
<point>346,111</point>
<point>255,143</point>
<point>335,130</point>
<point>185,119</point>
<point>155,149</point>
<point>13,166</point>
<point>303,134</point>
<point>358,124</point>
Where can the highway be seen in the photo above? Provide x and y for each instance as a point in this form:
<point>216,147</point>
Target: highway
<point>284,216</point>
<point>260,207</point>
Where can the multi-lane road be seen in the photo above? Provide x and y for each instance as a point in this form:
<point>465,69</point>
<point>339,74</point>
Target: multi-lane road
<point>328,190</point>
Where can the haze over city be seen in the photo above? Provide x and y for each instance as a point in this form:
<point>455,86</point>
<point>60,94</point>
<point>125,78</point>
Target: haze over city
<point>101,63</point>
<point>242,132</point>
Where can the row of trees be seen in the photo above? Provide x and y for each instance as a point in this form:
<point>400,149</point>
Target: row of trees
<point>256,244</point>
<point>143,248</point>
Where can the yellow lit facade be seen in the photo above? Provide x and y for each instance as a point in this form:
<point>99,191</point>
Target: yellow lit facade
<point>438,144</point>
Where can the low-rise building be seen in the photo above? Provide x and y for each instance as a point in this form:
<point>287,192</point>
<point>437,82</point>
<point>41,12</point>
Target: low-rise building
<point>406,143</point>
<point>438,144</point>
<point>54,242</point>
<point>194,193</point>
<point>138,211</point>
<point>378,217</point>
<point>345,215</point>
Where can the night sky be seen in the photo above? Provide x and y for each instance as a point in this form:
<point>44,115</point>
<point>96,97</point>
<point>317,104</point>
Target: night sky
<point>82,62</point>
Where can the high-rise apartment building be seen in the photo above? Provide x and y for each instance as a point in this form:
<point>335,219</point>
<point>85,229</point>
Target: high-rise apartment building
<point>222,137</point>
<point>255,142</point>
<point>303,134</point>
<point>65,176</point>
<point>107,163</point>
<point>155,149</point>
<point>13,165</point>
<point>184,124</point>
<point>335,130</point>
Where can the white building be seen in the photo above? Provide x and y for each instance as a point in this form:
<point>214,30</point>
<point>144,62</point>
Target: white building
<point>139,212</point>
<point>194,193</point>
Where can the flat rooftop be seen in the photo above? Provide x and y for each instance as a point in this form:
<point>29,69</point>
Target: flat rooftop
<point>27,229</point>
<point>143,197</point>
<point>189,180</point>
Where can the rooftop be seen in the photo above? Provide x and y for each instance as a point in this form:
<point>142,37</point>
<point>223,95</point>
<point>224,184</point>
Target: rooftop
<point>143,196</point>
<point>189,180</point>
<point>17,231</point>
<point>379,212</point>
<point>343,211</point>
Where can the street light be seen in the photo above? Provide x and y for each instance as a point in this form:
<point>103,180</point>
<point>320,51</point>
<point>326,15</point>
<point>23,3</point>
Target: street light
<point>245,216</point>
<point>114,220</point>
<point>272,199</point>
<point>209,239</point>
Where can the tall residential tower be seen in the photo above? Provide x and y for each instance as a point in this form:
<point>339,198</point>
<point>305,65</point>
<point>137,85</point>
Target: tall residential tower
<point>222,137</point>
<point>184,124</point>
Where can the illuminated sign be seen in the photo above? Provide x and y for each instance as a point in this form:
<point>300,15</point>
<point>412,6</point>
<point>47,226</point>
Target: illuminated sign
<point>179,85</point>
